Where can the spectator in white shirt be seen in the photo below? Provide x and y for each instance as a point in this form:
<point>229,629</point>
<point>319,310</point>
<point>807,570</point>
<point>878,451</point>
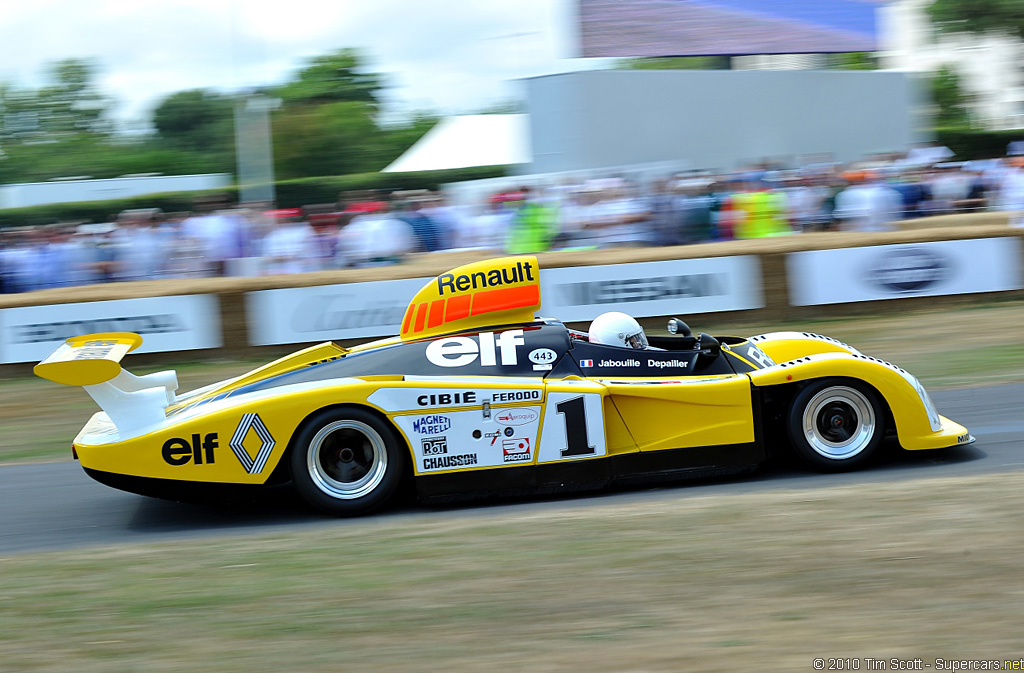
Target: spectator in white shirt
<point>374,239</point>
<point>290,247</point>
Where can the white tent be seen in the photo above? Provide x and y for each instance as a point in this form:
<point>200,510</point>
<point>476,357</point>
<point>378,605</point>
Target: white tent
<point>469,140</point>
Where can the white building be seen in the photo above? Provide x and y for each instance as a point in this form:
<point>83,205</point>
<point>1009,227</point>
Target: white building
<point>990,67</point>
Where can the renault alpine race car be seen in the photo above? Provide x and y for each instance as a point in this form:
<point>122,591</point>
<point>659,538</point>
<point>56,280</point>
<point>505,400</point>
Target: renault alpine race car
<point>478,396</point>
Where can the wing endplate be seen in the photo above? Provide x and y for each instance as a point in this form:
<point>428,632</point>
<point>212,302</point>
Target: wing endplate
<point>88,360</point>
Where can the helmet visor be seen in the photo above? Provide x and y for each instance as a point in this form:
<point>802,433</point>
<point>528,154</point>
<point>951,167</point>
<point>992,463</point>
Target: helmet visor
<point>638,340</point>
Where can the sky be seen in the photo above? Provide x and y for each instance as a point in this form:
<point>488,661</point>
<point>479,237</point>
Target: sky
<point>447,56</point>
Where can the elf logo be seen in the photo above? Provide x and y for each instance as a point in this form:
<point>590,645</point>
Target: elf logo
<point>461,351</point>
<point>177,451</point>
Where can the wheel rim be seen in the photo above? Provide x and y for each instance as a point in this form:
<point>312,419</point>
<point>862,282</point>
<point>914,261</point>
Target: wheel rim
<point>347,459</point>
<point>839,423</point>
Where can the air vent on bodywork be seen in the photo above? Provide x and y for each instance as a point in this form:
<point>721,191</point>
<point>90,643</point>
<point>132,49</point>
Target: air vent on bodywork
<point>881,362</point>
<point>812,335</point>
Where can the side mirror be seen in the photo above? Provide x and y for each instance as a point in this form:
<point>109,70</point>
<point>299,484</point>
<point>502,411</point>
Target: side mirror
<point>677,326</point>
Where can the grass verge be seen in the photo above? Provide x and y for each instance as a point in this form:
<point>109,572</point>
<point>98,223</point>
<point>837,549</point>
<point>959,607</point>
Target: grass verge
<point>761,581</point>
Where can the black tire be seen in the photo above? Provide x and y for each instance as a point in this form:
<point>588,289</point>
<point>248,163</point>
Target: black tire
<point>347,461</point>
<point>836,424</point>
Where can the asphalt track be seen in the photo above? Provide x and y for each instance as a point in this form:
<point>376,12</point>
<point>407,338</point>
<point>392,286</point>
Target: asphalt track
<point>55,506</point>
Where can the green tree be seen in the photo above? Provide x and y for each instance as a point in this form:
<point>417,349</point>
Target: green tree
<point>72,101</point>
<point>340,76</point>
<point>979,16</point>
<point>198,120</point>
<point>329,139</point>
<point>950,100</point>
<point>69,103</point>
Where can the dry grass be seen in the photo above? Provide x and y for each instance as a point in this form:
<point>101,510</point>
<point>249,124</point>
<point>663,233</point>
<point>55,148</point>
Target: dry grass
<point>762,581</point>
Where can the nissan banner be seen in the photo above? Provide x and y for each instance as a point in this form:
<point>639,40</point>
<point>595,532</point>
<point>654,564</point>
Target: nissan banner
<point>675,287</point>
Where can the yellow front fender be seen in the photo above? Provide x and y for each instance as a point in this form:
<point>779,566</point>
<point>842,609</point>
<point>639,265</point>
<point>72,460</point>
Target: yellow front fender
<point>918,424</point>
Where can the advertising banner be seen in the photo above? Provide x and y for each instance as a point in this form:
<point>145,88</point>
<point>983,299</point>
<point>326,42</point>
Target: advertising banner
<point>726,27</point>
<point>327,312</point>
<point>906,270</point>
<point>179,323</point>
<point>675,287</point>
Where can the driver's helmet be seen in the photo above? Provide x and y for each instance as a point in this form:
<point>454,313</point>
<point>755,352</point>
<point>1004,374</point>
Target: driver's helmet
<point>617,329</point>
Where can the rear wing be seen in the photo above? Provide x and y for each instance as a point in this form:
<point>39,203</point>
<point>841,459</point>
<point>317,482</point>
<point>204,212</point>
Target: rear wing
<point>93,362</point>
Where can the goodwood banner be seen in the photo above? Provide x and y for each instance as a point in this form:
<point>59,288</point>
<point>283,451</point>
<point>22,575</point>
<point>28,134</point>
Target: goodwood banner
<point>908,270</point>
<point>326,312</point>
<point>180,323</point>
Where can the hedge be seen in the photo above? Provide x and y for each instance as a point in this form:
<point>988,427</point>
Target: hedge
<point>290,194</point>
<point>970,144</point>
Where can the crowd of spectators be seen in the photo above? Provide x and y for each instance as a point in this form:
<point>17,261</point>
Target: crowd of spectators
<point>596,212</point>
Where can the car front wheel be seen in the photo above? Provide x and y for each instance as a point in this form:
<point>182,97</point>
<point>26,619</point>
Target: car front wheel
<point>347,461</point>
<point>836,424</point>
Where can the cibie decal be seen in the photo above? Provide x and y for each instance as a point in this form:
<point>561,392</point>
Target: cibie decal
<point>518,416</point>
<point>237,443</point>
<point>515,450</point>
<point>434,424</point>
<point>446,399</point>
<point>460,351</point>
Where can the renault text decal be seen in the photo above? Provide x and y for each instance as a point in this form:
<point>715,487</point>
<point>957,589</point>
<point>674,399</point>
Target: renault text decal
<point>522,271</point>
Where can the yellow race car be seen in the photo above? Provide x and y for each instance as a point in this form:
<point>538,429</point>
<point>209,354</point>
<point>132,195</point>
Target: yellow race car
<point>478,396</point>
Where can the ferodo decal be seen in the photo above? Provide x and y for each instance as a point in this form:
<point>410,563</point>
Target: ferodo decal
<point>472,441</point>
<point>459,351</point>
<point>424,399</point>
<point>517,416</point>
<point>177,451</point>
<point>252,432</point>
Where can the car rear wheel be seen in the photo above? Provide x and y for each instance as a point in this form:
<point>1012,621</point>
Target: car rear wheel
<point>836,424</point>
<point>347,461</point>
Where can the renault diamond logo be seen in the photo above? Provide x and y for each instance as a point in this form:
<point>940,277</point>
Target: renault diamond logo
<point>252,422</point>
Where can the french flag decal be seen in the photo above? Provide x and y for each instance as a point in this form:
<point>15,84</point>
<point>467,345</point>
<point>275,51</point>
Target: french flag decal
<point>586,363</point>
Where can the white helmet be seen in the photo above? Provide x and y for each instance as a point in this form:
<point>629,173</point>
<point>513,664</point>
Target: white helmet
<point>617,329</point>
